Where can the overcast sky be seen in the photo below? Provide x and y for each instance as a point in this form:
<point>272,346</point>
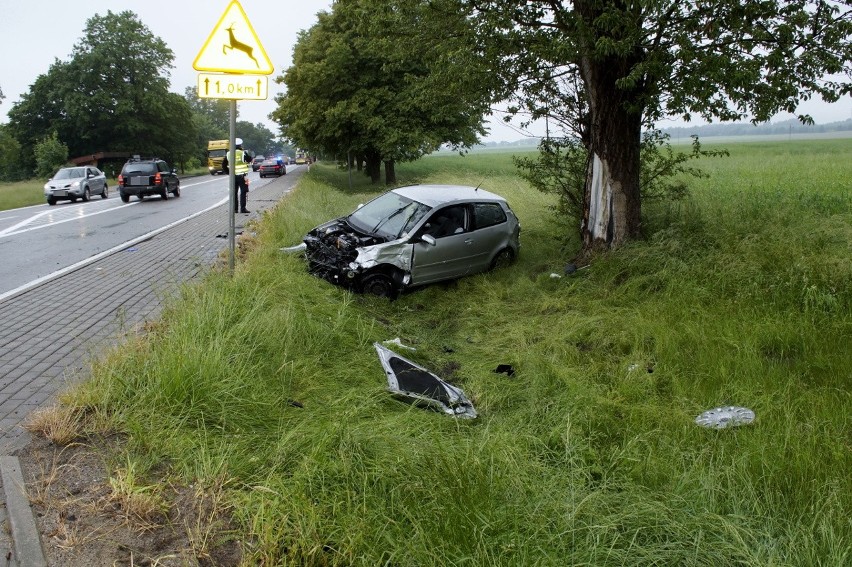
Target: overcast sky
<point>35,32</point>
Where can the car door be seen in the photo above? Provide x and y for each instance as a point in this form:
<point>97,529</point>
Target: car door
<point>166,174</point>
<point>101,176</point>
<point>450,255</point>
<point>94,182</point>
<point>489,234</point>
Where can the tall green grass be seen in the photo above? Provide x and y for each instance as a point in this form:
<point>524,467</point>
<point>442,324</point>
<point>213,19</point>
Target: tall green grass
<point>589,454</point>
<point>21,194</point>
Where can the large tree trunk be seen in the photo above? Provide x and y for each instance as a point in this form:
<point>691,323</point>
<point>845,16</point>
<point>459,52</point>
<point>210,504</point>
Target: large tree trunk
<point>611,203</point>
<point>390,172</point>
<point>374,165</point>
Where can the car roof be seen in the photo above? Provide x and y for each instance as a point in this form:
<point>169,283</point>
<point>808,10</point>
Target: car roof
<point>435,195</point>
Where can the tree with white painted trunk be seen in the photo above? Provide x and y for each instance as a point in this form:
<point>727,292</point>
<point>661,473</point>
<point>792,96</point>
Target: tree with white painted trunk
<point>604,70</point>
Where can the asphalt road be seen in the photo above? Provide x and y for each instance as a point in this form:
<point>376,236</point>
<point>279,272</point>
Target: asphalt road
<point>36,242</point>
<point>77,278</point>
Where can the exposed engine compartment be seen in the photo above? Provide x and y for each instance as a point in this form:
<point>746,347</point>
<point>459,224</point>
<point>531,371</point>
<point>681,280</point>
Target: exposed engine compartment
<point>332,247</point>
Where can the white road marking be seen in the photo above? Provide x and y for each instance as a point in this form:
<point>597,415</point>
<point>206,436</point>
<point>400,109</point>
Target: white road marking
<point>67,214</point>
<point>71,214</point>
<point>95,258</point>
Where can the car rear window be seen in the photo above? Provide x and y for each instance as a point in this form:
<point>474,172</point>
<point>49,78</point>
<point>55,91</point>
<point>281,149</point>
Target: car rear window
<point>488,214</point>
<point>140,168</point>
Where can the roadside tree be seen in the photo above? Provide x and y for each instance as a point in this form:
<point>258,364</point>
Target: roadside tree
<point>386,81</point>
<point>604,70</point>
<point>10,156</point>
<point>257,138</point>
<point>50,155</point>
<point>112,95</point>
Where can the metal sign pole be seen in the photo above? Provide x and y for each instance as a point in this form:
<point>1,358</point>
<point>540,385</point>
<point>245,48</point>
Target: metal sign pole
<point>232,185</point>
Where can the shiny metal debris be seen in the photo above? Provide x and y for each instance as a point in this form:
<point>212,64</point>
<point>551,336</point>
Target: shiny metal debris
<point>727,416</point>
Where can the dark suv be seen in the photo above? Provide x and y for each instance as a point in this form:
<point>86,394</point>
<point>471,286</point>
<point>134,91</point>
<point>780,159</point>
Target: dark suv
<point>147,176</point>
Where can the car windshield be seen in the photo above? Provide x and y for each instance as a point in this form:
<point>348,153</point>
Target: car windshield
<point>71,173</point>
<point>390,215</point>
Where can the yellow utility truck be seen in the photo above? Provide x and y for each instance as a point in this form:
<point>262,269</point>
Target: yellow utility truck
<point>216,152</point>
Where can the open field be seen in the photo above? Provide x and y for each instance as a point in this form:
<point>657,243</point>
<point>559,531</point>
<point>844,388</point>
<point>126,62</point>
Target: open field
<point>266,383</point>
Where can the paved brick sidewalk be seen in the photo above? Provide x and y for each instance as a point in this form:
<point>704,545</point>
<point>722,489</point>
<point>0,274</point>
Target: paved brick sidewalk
<point>49,333</point>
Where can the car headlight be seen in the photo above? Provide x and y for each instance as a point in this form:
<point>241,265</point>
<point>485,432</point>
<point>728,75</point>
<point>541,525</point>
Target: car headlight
<point>47,186</point>
<point>75,185</point>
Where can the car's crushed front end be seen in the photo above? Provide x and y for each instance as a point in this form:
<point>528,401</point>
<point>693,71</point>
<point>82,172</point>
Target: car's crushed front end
<point>340,254</point>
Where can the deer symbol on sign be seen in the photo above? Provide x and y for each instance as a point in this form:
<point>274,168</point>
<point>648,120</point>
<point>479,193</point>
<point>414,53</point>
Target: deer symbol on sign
<point>238,45</point>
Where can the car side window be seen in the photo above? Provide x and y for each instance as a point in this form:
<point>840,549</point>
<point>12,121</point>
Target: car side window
<point>487,214</point>
<point>162,166</point>
<point>447,221</point>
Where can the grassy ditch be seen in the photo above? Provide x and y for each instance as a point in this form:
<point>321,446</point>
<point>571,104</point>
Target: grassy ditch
<point>589,454</point>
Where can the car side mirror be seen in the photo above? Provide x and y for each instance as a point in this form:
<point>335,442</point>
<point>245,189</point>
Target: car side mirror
<point>429,239</point>
<point>174,170</point>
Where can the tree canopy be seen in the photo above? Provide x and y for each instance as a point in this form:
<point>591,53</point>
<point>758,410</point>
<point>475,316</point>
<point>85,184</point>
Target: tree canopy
<point>387,80</point>
<point>112,94</point>
<point>605,69</point>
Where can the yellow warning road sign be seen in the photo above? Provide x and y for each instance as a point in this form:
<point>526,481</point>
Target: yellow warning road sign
<point>233,46</point>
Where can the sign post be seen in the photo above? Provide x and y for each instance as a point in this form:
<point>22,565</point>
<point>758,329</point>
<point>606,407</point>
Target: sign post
<point>233,65</point>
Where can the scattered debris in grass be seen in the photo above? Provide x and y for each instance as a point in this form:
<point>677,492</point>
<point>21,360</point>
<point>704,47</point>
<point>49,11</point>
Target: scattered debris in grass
<point>414,384</point>
<point>506,369</point>
<point>727,416</point>
<point>398,342</point>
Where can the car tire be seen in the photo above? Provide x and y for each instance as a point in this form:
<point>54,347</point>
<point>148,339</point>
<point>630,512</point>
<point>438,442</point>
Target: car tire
<point>380,285</point>
<point>502,259</point>
<point>176,192</point>
<point>124,198</point>
<point>51,201</point>
<point>164,194</point>
<point>105,193</point>
<point>86,195</point>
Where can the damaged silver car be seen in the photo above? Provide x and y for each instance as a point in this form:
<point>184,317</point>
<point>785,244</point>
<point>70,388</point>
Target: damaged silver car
<point>413,236</point>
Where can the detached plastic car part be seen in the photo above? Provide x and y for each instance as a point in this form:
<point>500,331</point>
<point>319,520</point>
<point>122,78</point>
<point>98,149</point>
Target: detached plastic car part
<point>414,384</point>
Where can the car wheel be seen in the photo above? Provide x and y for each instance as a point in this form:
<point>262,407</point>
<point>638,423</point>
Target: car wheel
<point>176,192</point>
<point>105,194</point>
<point>51,201</point>
<point>140,196</point>
<point>86,194</point>
<point>503,258</point>
<point>380,285</point>
<point>73,199</point>
<point>164,194</point>
<point>124,198</point>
